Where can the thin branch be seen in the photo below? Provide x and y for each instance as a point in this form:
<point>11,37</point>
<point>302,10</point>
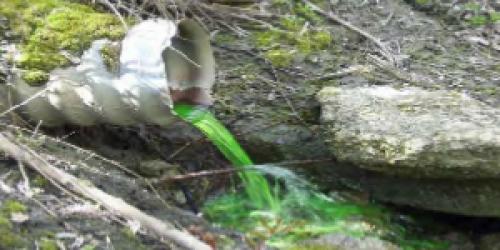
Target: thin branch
<point>210,173</point>
<point>116,12</point>
<point>28,100</point>
<point>196,175</point>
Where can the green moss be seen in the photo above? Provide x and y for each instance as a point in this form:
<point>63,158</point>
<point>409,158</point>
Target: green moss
<point>47,27</point>
<point>225,38</point>
<point>422,2</point>
<point>13,206</point>
<point>35,77</point>
<point>306,12</point>
<point>321,39</point>
<point>478,20</point>
<point>8,238</point>
<point>267,38</point>
<point>279,57</point>
<point>295,36</point>
<point>111,56</point>
<point>132,240</point>
<point>48,244</point>
<point>292,23</point>
<point>40,181</point>
<point>487,90</point>
<point>88,247</point>
<point>128,233</point>
<point>314,41</point>
<point>4,222</point>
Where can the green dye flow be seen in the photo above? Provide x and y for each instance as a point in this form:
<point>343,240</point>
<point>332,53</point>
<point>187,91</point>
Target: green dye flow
<point>283,218</point>
<point>256,186</point>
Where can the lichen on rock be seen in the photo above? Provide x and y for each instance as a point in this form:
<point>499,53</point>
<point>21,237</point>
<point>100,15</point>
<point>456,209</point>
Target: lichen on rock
<point>50,29</point>
<point>413,131</point>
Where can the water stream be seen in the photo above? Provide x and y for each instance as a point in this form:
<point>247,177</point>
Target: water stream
<point>274,215</point>
<point>256,186</point>
<point>290,211</point>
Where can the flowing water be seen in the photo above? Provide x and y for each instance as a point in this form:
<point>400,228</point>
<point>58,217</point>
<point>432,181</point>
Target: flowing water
<point>256,186</point>
<point>292,210</point>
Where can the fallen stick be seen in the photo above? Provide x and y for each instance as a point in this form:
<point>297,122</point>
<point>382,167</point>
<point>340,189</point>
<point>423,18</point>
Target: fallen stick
<point>115,205</point>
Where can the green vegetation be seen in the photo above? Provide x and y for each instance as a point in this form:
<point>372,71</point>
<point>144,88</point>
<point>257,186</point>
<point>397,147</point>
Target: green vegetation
<point>295,37</point>
<point>131,239</point>
<point>8,238</point>
<point>48,27</point>
<point>40,181</point>
<point>478,18</point>
<point>13,206</point>
<point>422,2</point>
<point>279,57</point>
<point>35,77</point>
<point>88,247</point>
<point>48,244</point>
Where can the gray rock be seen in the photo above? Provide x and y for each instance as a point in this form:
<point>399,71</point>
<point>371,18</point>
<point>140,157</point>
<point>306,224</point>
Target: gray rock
<point>436,150</point>
<point>490,242</point>
<point>345,242</point>
<point>413,132</point>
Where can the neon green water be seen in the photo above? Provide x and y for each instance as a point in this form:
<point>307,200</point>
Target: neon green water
<point>256,186</point>
<point>281,219</point>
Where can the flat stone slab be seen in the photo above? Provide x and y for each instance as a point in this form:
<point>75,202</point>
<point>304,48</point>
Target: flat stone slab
<point>412,131</point>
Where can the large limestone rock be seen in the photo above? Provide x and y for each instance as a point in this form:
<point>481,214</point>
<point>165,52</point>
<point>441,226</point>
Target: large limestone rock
<point>413,131</point>
<point>436,150</point>
<point>345,242</point>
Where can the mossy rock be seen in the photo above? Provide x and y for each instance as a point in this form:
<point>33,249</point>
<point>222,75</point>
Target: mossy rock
<point>46,28</point>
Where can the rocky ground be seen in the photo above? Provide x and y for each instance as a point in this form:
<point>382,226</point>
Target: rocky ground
<point>266,93</point>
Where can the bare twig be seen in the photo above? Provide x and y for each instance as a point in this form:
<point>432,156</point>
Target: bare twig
<point>116,12</point>
<point>196,175</point>
<point>26,181</point>
<point>113,204</point>
<point>210,173</point>
<point>28,100</point>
